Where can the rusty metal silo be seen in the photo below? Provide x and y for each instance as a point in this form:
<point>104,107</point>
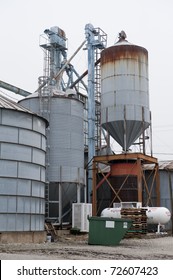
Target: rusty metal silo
<point>125,97</point>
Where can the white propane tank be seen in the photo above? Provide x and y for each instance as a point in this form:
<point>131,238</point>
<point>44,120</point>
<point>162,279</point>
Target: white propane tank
<point>158,215</point>
<point>111,213</point>
<point>155,215</point>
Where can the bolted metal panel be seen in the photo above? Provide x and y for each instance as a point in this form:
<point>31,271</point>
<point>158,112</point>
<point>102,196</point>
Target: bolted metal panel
<point>8,186</point>
<point>15,152</point>
<point>8,168</point>
<point>20,120</point>
<point>38,190</point>
<point>38,156</point>
<point>8,134</point>
<point>43,143</point>
<point>125,99</point>
<point>24,222</point>
<point>30,138</point>
<point>28,170</point>
<point>22,170</point>
<point>38,125</point>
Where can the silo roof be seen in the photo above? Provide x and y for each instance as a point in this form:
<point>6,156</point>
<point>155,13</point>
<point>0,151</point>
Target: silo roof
<point>123,42</point>
<point>6,103</point>
<point>168,164</point>
<point>163,165</point>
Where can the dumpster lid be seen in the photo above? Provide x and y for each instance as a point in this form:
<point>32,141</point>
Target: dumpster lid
<point>97,218</point>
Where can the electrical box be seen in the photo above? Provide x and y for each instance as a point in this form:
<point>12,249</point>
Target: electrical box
<point>80,213</point>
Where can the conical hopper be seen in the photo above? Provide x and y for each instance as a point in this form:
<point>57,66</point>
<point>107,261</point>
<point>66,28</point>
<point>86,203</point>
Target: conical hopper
<point>125,137</point>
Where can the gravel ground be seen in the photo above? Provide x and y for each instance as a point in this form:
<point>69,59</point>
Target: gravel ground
<point>150,247</point>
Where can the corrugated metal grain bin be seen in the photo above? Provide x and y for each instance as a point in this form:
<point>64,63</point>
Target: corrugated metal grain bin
<point>107,231</point>
<point>22,169</point>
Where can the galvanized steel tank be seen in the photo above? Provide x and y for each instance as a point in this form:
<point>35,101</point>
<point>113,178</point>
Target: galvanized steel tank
<point>65,170</point>
<point>124,92</point>
<point>22,169</point>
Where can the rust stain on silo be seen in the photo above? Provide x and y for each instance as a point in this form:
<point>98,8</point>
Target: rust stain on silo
<point>117,52</point>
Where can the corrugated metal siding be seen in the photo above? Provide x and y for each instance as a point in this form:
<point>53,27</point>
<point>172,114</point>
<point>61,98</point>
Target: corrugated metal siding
<point>22,170</point>
<point>165,170</point>
<point>6,103</point>
<point>163,164</point>
<point>65,172</point>
<point>66,138</point>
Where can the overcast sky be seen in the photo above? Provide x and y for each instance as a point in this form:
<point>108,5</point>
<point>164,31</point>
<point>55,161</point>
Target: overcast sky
<point>147,23</point>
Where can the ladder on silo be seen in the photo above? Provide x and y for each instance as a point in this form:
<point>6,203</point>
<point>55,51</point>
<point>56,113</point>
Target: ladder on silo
<point>44,111</point>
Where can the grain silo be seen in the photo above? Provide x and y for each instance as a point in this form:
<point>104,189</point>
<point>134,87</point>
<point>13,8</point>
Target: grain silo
<point>65,134</point>
<point>125,97</point>
<point>65,153</point>
<point>125,115</point>
<point>22,173</point>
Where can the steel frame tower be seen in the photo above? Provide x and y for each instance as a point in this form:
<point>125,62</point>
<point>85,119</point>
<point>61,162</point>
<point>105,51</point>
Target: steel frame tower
<point>96,39</point>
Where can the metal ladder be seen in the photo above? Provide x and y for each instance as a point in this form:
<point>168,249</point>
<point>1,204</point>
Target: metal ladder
<point>97,91</point>
<point>44,111</point>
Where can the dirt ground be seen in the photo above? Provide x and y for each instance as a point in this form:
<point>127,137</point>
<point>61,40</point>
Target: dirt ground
<point>76,247</point>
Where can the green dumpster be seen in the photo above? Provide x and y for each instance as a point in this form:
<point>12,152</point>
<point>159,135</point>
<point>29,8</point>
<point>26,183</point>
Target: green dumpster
<point>107,231</point>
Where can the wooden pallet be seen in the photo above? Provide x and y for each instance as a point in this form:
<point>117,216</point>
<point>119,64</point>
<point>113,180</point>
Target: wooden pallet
<point>139,218</point>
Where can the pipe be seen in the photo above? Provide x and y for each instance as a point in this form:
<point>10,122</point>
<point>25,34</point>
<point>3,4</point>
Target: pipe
<point>14,89</point>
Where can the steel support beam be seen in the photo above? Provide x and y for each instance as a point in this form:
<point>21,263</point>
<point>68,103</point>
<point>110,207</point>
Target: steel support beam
<point>140,161</point>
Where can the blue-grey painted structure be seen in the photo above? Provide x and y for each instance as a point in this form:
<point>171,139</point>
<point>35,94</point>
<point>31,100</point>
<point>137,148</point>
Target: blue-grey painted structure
<point>89,30</point>
<point>22,168</point>
<point>94,40</point>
